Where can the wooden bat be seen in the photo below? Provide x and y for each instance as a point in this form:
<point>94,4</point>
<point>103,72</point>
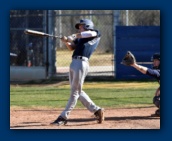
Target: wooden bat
<point>41,34</point>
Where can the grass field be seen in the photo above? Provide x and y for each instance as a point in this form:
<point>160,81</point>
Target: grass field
<point>63,58</point>
<point>105,94</point>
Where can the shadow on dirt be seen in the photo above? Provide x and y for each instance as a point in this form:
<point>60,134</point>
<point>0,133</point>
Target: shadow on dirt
<point>116,118</point>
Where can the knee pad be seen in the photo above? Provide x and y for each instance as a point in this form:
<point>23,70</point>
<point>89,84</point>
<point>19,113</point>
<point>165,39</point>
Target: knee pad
<point>156,101</point>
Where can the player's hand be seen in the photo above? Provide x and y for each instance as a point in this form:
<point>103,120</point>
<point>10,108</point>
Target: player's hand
<point>71,38</point>
<point>64,39</point>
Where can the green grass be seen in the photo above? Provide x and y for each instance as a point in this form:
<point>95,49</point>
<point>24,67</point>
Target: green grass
<point>64,57</point>
<point>104,94</point>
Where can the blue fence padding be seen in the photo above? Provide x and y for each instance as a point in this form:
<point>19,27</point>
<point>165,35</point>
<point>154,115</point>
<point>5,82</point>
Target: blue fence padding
<point>139,43</point>
<point>142,41</point>
<point>138,31</point>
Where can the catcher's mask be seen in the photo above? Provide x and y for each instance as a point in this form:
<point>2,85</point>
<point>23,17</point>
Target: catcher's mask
<point>156,56</point>
<point>88,24</point>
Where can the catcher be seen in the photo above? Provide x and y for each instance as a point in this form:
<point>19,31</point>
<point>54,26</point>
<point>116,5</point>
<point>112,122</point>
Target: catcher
<point>129,60</point>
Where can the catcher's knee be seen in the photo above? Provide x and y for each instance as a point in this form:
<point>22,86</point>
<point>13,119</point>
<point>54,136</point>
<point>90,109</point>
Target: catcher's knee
<point>156,101</point>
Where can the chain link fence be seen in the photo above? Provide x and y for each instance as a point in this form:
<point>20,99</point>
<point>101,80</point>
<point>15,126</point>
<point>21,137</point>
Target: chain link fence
<point>140,17</point>
<point>32,51</point>
<point>29,50</point>
<point>101,62</point>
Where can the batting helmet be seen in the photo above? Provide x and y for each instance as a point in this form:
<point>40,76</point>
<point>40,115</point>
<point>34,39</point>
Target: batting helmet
<point>88,24</point>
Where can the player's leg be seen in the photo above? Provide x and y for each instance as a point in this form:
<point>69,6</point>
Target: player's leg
<point>74,82</point>
<point>73,79</point>
<point>87,102</point>
<point>85,99</point>
<point>156,101</point>
<point>92,107</point>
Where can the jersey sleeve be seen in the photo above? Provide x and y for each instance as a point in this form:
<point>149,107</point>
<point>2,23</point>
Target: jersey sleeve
<point>154,73</point>
<point>87,34</point>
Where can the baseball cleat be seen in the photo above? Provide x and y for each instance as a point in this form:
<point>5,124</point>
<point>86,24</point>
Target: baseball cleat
<point>99,114</point>
<point>59,121</point>
<point>156,114</point>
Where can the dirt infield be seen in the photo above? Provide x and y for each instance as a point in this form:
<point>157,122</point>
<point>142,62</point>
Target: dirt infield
<point>131,118</point>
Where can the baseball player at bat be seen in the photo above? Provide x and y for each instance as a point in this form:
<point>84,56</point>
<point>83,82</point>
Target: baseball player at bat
<point>129,60</point>
<point>83,44</point>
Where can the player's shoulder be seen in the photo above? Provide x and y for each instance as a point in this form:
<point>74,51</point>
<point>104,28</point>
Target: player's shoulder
<point>98,32</point>
<point>158,70</point>
<point>153,72</point>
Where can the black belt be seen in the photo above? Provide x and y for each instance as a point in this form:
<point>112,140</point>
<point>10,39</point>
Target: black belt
<point>80,58</point>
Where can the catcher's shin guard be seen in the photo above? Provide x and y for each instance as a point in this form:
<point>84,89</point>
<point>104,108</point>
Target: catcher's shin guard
<point>156,114</point>
<point>156,101</point>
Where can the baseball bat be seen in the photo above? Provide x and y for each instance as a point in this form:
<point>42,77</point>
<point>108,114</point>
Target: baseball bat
<point>41,34</point>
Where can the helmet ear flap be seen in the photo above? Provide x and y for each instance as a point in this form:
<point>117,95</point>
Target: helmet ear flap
<point>86,26</point>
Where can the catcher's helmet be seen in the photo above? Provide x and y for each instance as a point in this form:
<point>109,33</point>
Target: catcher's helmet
<point>88,24</point>
<point>156,56</point>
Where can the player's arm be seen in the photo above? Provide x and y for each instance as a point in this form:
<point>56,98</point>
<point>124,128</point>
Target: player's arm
<point>140,68</point>
<point>129,60</point>
<point>69,44</point>
<point>84,34</point>
<point>88,34</point>
<point>69,41</point>
<point>154,72</point>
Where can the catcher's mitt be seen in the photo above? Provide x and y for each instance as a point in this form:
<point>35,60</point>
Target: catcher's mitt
<point>128,59</point>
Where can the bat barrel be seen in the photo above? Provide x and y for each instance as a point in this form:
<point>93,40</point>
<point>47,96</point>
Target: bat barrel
<point>38,33</point>
<point>33,32</point>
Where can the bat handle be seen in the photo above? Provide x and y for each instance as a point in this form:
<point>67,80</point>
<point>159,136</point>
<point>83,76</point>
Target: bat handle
<point>60,37</point>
